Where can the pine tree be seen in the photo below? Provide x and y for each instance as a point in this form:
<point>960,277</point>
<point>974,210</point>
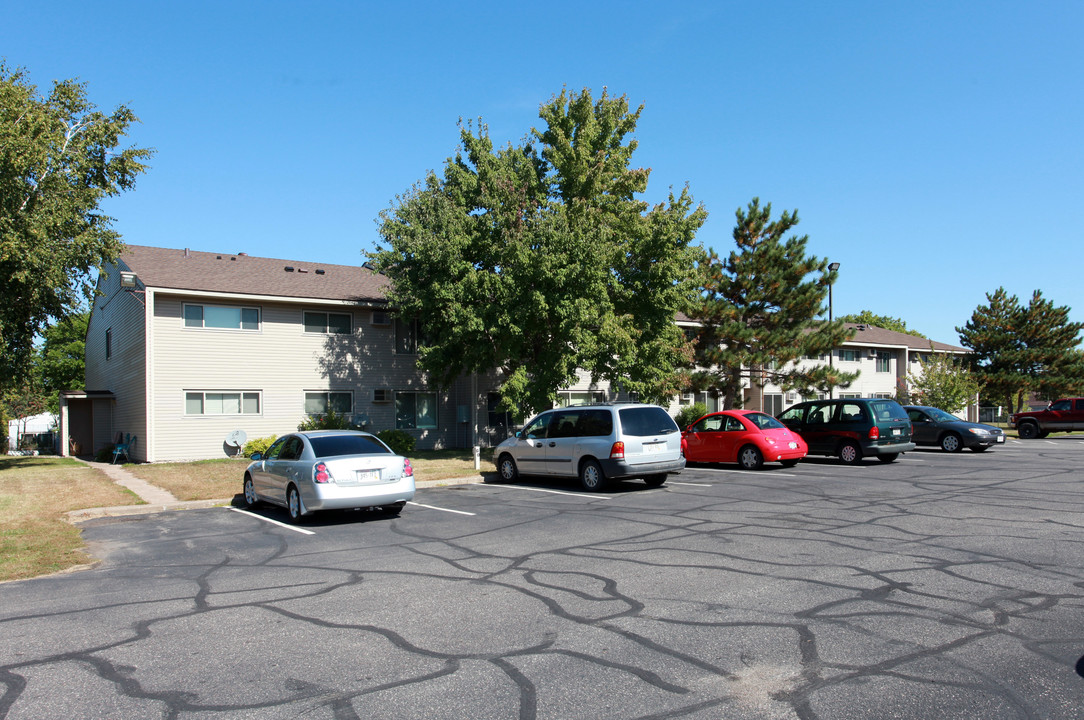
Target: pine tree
<point>760,310</point>
<point>1017,350</point>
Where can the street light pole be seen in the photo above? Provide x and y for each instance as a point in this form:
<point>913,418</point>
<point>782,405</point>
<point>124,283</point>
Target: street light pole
<point>832,267</point>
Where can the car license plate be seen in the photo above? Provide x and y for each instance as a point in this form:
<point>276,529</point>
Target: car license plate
<point>1001,438</point>
<point>793,445</point>
<point>368,476</point>
<point>654,448</point>
<point>897,431</point>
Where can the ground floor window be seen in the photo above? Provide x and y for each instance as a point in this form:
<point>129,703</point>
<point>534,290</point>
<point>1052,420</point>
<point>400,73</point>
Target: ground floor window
<point>415,410</point>
<point>221,403</point>
<point>773,403</point>
<point>319,402</point>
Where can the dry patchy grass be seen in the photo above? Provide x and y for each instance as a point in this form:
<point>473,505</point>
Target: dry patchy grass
<point>35,493</point>
<point>221,479</point>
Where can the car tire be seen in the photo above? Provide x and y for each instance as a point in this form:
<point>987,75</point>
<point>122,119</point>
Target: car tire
<point>251,500</point>
<point>506,469</point>
<point>1027,431</point>
<point>750,458</point>
<point>592,479</point>
<point>655,480</point>
<point>951,442</point>
<point>293,505</point>
<point>850,453</point>
<point>788,463</point>
<point>889,457</point>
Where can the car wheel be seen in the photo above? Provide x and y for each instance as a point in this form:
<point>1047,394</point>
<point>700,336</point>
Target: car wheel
<point>788,463</point>
<point>250,493</point>
<point>655,480</point>
<point>750,458</point>
<point>591,477</point>
<point>951,442</point>
<point>1027,431</point>
<point>506,468</point>
<point>849,453</point>
<point>293,505</point>
<point>890,457</point>
<point>980,448</point>
<point>395,508</point>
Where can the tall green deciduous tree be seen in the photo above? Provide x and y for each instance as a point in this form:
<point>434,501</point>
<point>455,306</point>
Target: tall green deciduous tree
<point>62,358</point>
<point>538,259</point>
<point>1017,350</point>
<point>761,308</point>
<point>944,382</point>
<point>59,159</point>
<point>886,322</point>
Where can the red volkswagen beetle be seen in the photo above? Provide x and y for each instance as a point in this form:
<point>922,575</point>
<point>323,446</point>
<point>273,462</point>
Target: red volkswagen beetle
<point>747,437</point>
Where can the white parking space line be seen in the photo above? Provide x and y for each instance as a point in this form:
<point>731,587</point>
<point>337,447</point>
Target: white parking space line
<point>671,482</point>
<point>434,507</point>
<point>558,492</point>
<point>303,531</point>
<point>742,472</point>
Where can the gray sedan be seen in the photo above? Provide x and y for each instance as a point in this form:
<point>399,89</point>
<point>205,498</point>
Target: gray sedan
<point>327,470</point>
<point>933,426</point>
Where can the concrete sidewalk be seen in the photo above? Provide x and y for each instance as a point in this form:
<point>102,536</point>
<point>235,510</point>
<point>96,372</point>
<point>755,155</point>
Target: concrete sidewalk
<point>159,500</point>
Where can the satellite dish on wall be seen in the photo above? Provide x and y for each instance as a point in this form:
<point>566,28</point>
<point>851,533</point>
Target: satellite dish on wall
<point>236,438</point>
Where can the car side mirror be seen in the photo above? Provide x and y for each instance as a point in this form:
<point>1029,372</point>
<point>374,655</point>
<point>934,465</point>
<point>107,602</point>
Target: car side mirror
<point>519,434</point>
<point>257,456</point>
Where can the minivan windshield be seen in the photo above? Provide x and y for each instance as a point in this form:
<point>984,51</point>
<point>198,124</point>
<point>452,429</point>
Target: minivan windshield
<point>644,421</point>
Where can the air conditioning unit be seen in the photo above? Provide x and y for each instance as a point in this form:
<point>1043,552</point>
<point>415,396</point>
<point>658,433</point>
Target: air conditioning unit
<point>873,354</point>
<point>381,395</point>
<point>792,398</point>
<point>380,317</point>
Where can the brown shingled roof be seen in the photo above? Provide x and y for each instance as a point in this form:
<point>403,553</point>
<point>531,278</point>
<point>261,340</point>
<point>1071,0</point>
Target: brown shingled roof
<point>248,275</point>
<point>872,335</point>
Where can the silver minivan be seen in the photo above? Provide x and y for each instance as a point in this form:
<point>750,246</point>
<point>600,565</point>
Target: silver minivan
<point>596,443</point>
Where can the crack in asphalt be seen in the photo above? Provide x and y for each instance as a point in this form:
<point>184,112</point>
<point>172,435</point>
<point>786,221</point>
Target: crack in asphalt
<point>760,597</point>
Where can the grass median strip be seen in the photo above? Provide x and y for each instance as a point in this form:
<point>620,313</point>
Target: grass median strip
<point>35,493</point>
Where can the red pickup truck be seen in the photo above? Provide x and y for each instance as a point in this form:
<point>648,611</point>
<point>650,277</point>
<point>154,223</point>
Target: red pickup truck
<point>1065,415</point>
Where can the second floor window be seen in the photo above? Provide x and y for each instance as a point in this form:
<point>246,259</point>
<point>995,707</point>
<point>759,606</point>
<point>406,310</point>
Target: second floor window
<point>328,323</point>
<point>223,317</point>
<point>884,361</point>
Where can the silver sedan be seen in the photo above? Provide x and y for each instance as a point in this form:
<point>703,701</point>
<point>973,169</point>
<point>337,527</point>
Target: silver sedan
<point>328,470</point>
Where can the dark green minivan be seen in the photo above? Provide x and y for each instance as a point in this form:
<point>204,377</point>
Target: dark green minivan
<point>852,428</point>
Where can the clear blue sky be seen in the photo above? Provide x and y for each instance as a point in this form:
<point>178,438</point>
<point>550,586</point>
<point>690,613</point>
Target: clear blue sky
<point>934,149</point>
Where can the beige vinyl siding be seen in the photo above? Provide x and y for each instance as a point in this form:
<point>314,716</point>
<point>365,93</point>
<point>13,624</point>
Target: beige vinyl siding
<point>124,373</point>
<point>282,362</point>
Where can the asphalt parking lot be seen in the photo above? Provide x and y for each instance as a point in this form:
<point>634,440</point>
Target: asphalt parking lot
<point>939,586</point>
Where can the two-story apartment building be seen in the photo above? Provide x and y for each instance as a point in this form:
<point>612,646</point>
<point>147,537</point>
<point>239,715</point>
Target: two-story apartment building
<point>186,348</point>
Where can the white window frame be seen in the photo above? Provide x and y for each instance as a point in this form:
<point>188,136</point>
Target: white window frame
<point>241,396</point>
<point>400,424</point>
<point>327,322</point>
<point>883,362</point>
<point>203,317</point>
<point>327,402</point>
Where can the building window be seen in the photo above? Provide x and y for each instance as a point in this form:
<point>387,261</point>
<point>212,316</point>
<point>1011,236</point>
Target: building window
<point>845,395</point>
<point>569,399</point>
<point>221,317</point>
<point>773,403</point>
<point>884,361</point>
<point>221,403</point>
<point>108,343</point>
<point>415,410</point>
<point>328,323</point>
<point>883,396</point>
<point>406,337</point>
<point>848,355</point>
<point>318,403</point>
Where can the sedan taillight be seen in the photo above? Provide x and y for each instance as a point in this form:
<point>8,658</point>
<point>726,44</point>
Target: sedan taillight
<point>408,469</point>
<point>321,474</point>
